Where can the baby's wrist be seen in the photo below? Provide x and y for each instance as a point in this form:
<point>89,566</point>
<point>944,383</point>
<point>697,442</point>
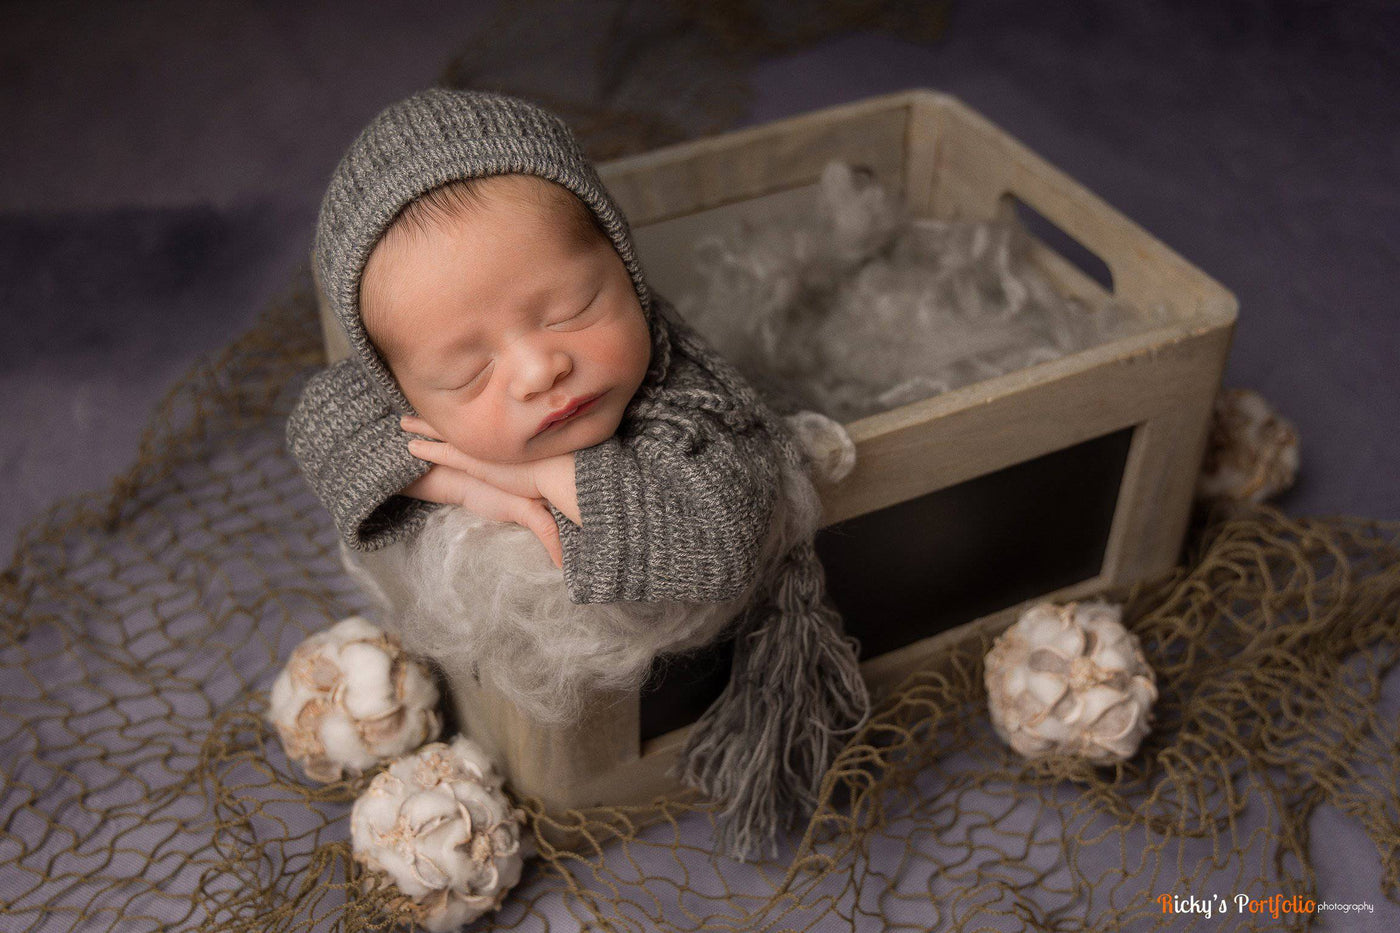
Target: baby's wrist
<point>554,477</point>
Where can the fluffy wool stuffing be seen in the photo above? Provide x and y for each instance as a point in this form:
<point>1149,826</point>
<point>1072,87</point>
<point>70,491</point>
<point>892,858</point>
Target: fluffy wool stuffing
<point>469,591</point>
<point>850,306</point>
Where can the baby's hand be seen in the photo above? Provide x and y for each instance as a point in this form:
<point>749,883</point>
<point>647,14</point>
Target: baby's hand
<point>551,478</point>
<point>454,487</point>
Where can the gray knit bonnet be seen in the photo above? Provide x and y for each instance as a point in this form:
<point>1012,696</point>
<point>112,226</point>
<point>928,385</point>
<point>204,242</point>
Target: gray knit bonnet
<point>432,138</point>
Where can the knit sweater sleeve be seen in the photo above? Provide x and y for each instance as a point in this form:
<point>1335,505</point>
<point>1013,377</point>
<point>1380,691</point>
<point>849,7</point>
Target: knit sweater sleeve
<point>350,448</point>
<point>677,504</point>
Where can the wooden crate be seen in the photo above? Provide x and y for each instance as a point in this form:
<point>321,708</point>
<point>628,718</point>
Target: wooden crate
<point>1051,482</point>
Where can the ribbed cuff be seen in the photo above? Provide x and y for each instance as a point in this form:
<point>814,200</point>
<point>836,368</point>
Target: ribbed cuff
<point>597,553</point>
<point>350,448</point>
<point>375,466</point>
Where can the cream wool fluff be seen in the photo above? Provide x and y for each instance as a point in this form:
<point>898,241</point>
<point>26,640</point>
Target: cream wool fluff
<point>849,305</point>
<point>467,590</point>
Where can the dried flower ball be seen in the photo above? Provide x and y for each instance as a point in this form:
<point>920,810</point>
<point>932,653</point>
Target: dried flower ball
<point>350,698</point>
<point>1070,680</point>
<point>437,824</point>
<point>1252,453</point>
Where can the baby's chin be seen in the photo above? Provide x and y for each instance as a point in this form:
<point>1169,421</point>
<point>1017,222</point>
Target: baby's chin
<point>568,442</point>
<point>588,430</point>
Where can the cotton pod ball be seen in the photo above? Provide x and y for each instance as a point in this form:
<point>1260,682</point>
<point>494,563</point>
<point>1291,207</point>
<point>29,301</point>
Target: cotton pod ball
<point>438,825</point>
<point>830,448</point>
<point>350,698</point>
<point>1070,680</point>
<point>1252,453</point>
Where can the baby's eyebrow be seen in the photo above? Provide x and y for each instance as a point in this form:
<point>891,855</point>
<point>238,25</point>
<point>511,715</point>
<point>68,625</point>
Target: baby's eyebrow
<point>466,335</point>
<point>465,342</point>
<point>430,360</point>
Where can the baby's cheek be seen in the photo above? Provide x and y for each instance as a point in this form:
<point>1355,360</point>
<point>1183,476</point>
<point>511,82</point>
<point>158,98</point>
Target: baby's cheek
<point>502,435</point>
<point>463,430</point>
<point>631,347</point>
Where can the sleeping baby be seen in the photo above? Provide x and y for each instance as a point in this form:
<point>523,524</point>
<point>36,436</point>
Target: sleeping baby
<point>508,360</point>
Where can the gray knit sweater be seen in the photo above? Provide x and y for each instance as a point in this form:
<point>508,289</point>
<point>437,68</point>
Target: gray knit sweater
<point>675,505</point>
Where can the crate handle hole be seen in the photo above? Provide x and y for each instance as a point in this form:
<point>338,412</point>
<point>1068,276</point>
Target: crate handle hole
<point>1056,239</point>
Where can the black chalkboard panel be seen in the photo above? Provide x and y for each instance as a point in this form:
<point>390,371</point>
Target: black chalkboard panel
<point>923,566</point>
<point>681,687</point>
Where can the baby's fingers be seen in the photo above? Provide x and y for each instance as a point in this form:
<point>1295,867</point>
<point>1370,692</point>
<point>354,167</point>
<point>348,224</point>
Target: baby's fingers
<point>453,487</point>
<point>538,519</point>
<point>443,454</point>
<point>445,486</point>
<point>416,425</point>
<point>514,478</point>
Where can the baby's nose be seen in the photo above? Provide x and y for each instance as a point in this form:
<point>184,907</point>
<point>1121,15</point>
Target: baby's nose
<point>540,369</point>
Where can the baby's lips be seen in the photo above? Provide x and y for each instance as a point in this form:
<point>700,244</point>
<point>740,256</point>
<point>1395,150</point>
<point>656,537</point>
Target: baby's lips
<point>568,411</point>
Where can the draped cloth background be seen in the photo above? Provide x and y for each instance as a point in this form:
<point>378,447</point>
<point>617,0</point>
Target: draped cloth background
<point>141,626</point>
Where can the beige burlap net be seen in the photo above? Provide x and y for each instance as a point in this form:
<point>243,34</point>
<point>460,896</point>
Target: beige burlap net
<point>143,790</point>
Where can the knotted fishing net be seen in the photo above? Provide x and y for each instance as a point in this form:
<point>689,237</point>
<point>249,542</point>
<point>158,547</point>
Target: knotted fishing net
<point>143,790</point>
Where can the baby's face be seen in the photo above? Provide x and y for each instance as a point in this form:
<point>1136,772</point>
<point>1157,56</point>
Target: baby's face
<point>512,338</point>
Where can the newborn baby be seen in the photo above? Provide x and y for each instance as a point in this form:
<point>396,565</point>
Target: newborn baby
<point>495,308</point>
<point>513,328</point>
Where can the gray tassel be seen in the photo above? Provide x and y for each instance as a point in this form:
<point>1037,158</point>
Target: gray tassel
<point>794,697</point>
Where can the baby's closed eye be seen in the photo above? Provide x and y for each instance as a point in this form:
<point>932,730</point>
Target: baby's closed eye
<point>470,377</point>
<point>579,317</point>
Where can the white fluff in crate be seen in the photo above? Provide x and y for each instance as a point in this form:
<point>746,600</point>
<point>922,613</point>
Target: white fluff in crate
<point>1252,454</point>
<point>482,596</point>
<point>1070,680</point>
<point>437,824</point>
<point>350,698</point>
<point>850,305</point>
